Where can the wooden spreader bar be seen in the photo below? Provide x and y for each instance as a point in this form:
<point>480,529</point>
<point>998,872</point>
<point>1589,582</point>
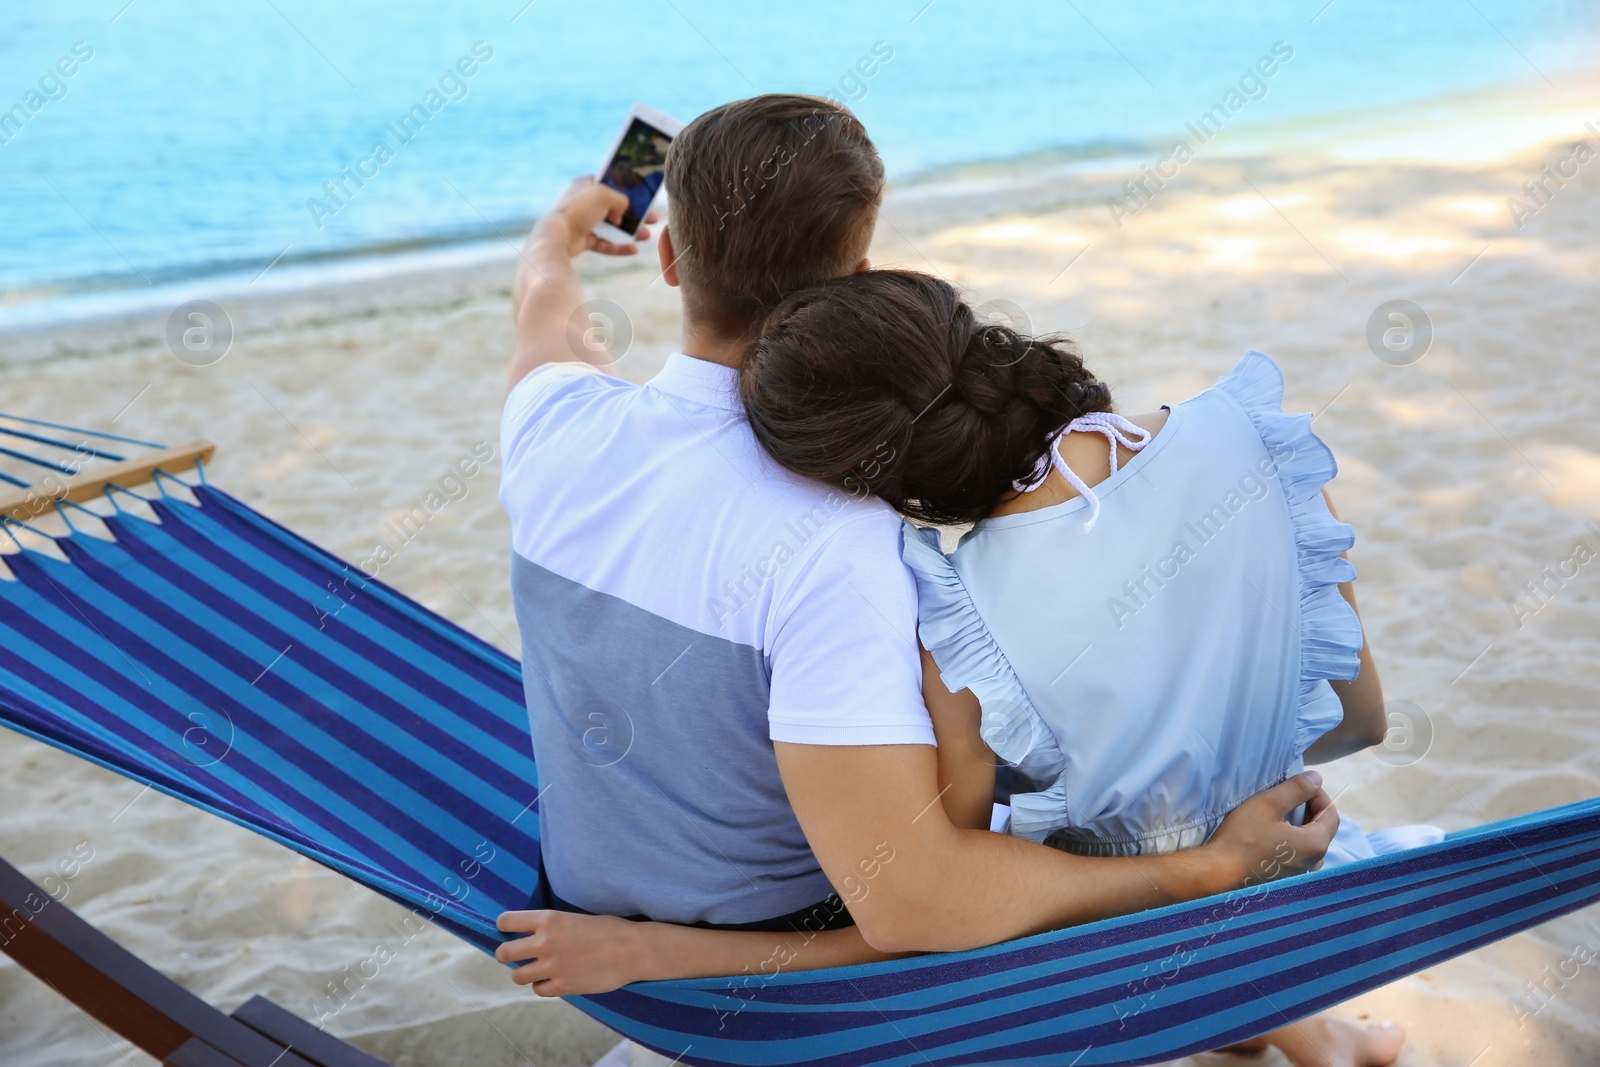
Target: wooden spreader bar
<point>28,504</point>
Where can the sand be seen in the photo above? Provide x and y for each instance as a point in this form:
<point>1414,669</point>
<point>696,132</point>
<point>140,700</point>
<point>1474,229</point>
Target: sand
<point>1466,475</point>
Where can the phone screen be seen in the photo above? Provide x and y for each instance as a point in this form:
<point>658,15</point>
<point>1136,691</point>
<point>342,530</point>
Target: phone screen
<point>637,170</point>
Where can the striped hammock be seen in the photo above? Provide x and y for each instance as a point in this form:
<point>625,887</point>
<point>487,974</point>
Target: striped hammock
<point>214,655</point>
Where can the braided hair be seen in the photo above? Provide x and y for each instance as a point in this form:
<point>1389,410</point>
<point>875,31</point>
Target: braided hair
<point>886,382</point>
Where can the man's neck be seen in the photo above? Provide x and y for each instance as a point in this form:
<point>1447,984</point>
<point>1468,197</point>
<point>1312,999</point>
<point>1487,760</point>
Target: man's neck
<point>712,348</point>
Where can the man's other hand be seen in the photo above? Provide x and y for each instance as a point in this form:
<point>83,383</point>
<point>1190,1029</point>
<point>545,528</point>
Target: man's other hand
<point>1256,842</point>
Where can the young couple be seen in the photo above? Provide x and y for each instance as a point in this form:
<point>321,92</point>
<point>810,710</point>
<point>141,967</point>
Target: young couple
<point>741,738</point>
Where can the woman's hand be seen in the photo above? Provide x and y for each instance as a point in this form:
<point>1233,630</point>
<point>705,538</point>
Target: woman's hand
<point>570,954</point>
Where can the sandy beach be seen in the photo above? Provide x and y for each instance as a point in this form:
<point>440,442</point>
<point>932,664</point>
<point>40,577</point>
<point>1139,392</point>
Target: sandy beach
<point>1471,474</point>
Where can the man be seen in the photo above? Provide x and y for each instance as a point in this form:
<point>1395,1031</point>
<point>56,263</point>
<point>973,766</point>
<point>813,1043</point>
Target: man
<point>720,660</point>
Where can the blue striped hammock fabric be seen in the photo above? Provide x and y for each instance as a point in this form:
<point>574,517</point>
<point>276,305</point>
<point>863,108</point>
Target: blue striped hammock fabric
<point>228,662</point>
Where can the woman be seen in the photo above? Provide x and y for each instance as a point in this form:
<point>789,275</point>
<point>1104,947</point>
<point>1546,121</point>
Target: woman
<point>1150,620</point>
<point>1152,614</point>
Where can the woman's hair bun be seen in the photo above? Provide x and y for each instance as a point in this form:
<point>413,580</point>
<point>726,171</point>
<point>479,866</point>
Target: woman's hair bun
<point>887,382</point>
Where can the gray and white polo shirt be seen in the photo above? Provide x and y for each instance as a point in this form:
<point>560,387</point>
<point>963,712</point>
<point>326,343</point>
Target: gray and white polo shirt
<point>684,602</point>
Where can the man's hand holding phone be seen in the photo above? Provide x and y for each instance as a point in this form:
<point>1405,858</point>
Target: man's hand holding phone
<point>568,229</point>
<point>546,291</point>
<point>609,214</point>
<point>585,205</point>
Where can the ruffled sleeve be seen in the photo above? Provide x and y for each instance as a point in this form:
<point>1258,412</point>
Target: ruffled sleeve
<point>969,658</point>
<point>1330,631</point>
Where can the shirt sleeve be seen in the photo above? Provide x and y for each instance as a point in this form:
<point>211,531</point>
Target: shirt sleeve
<point>844,660</point>
<point>532,400</point>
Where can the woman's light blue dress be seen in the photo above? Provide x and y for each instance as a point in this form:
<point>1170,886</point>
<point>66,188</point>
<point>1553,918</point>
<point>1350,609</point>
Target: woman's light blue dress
<point>1147,675</point>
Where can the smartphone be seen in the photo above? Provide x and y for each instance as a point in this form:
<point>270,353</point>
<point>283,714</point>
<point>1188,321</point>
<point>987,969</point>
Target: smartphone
<point>636,166</point>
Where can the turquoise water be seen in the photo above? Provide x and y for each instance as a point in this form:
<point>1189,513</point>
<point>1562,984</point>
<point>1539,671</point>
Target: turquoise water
<point>194,141</point>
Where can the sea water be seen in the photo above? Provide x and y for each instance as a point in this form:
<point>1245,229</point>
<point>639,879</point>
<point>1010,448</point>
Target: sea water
<point>154,140</point>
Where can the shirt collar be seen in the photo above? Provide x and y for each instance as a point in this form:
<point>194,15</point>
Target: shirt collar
<point>699,381</point>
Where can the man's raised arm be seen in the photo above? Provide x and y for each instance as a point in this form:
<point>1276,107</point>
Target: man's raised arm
<point>934,887</point>
<point>546,293</point>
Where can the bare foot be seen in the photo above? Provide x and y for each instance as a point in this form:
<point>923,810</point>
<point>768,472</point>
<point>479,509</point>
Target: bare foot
<point>1323,1041</point>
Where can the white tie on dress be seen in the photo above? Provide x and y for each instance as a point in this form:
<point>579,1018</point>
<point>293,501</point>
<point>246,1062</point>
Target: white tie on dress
<point>1117,431</point>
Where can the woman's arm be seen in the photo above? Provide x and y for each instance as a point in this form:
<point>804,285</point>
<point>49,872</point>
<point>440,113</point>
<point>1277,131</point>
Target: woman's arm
<point>571,954</point>
<point>966,763</point>
<point>1365,722</point>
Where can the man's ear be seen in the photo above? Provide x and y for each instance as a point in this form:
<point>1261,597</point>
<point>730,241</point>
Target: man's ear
<point>862,267</point>
<point>669,258</point>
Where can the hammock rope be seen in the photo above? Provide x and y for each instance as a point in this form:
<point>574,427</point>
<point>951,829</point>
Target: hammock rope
<point>212,654</point>
<point>103,434</point>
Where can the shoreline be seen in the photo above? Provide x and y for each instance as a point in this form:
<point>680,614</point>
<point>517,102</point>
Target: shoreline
<point>1400,133</point>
